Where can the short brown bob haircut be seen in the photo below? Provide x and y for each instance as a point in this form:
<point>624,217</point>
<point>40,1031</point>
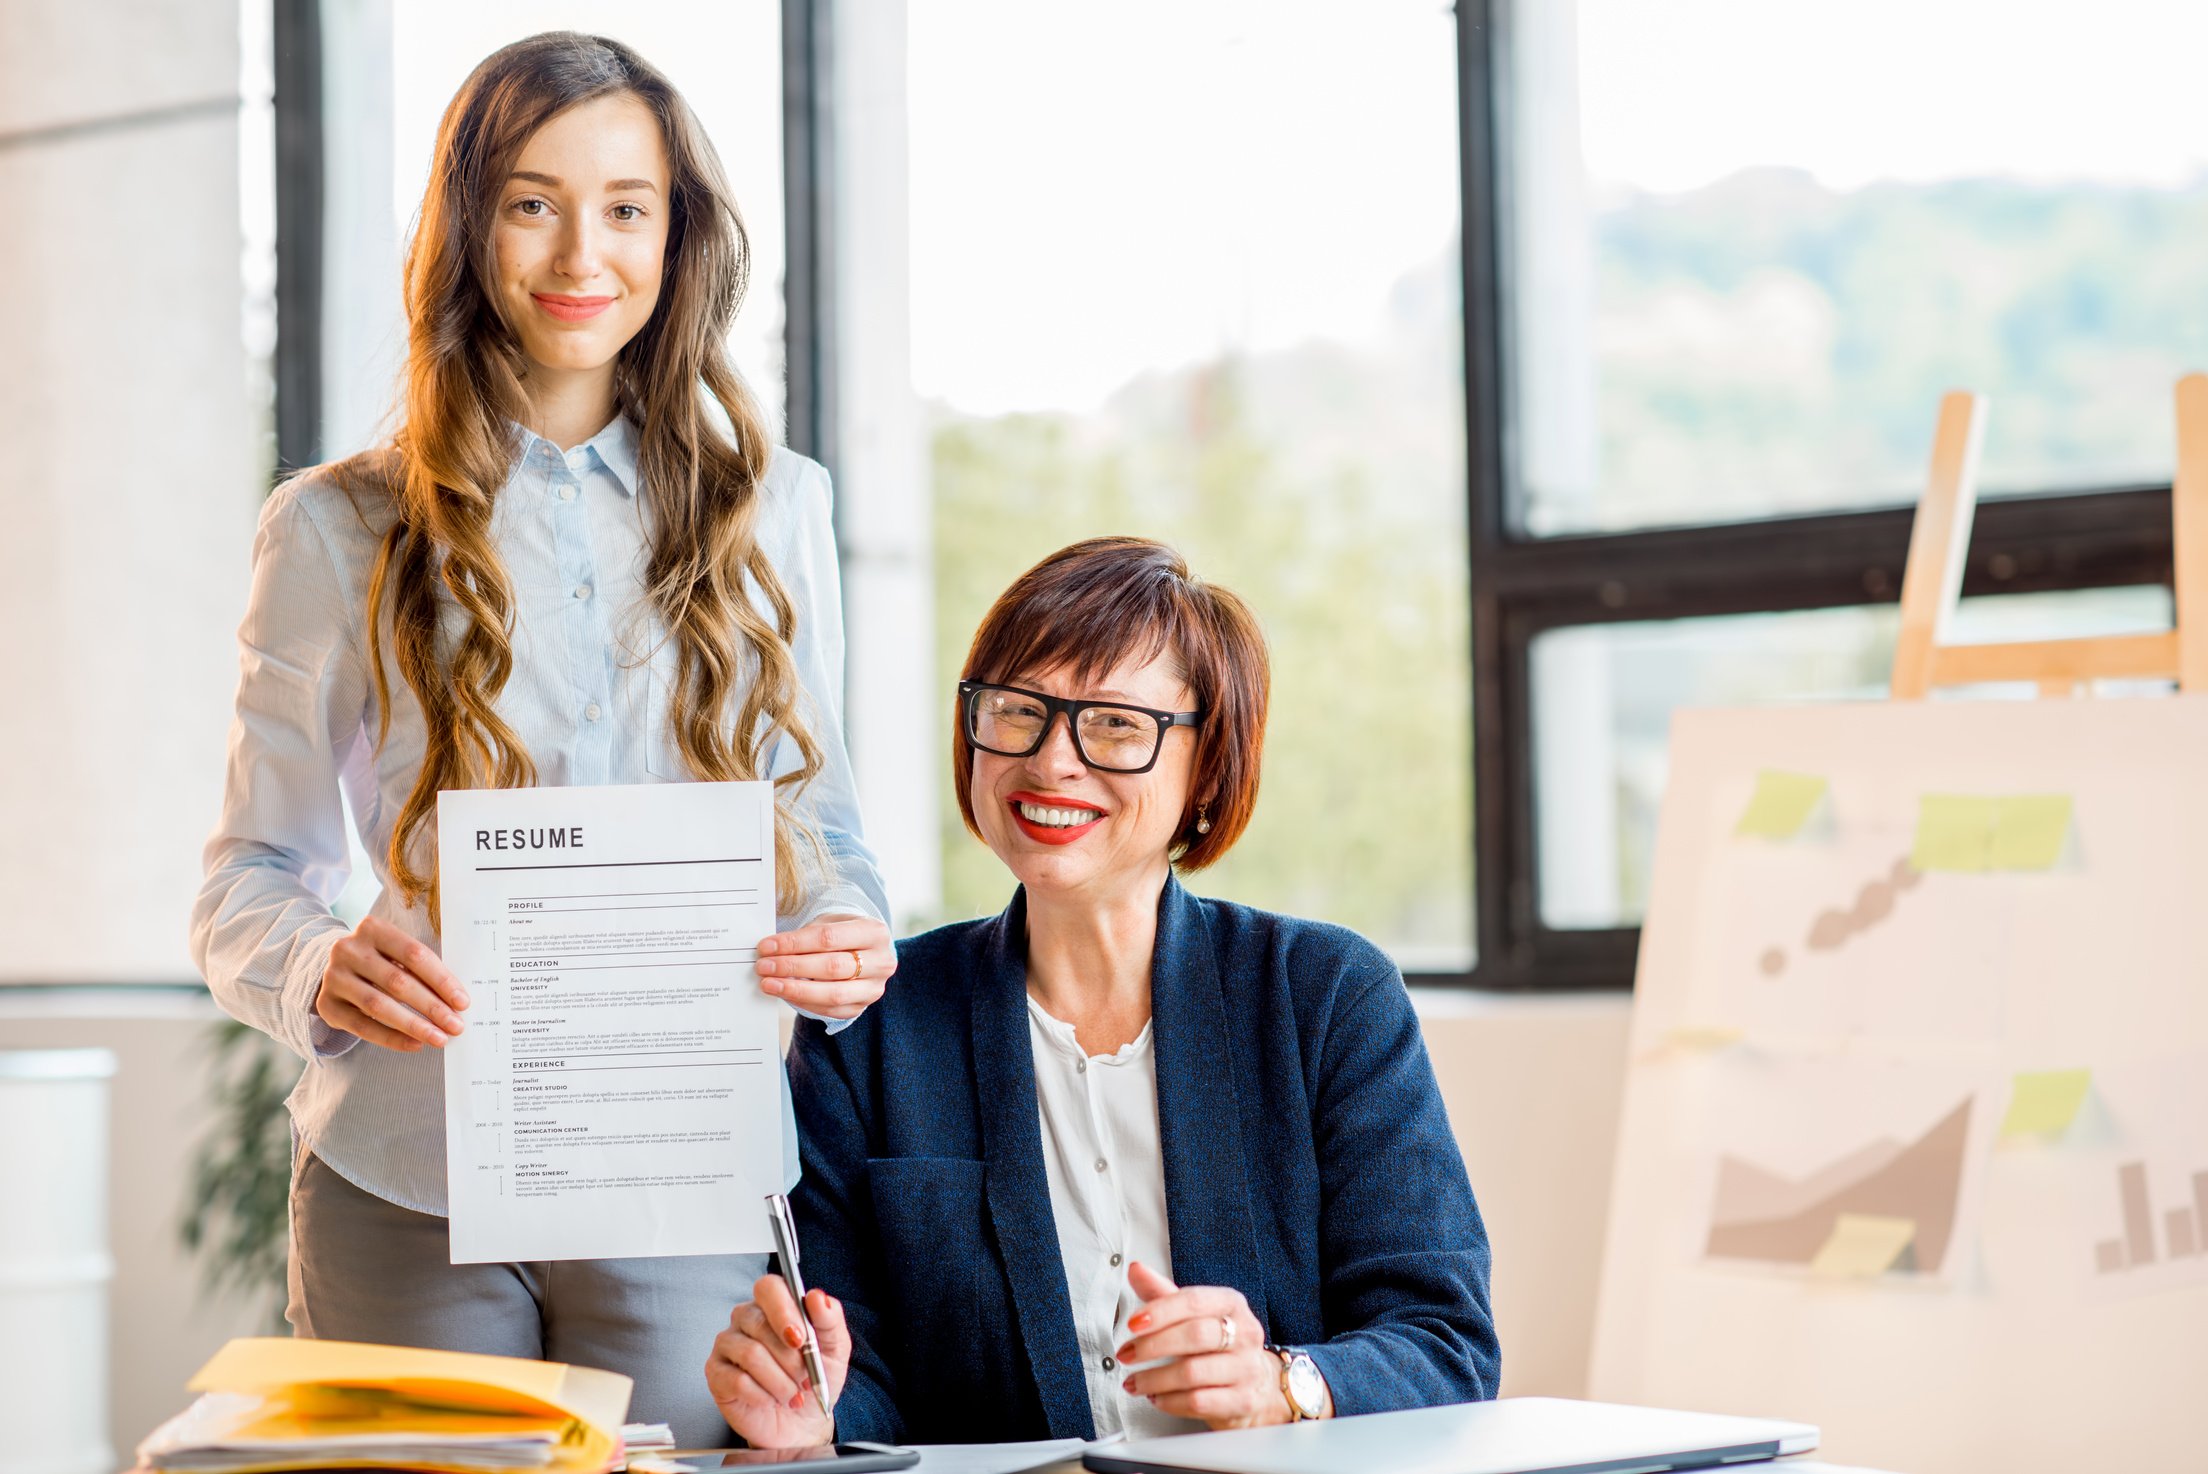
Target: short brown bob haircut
<point>1092,605</point>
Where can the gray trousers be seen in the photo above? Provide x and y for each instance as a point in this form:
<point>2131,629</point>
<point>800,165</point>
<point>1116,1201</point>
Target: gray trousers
<point>363,1269</point>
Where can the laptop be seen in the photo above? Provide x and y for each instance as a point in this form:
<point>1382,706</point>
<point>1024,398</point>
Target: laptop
<point>1516,1435</point>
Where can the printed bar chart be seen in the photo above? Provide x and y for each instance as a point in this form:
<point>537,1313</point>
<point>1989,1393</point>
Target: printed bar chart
<point>2131,1188</point>
<point>2184,1230</point>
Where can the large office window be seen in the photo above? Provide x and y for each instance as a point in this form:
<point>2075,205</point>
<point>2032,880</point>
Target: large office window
<point>1191,271</point>
<point>1536,367</point>
<point>1724,258</point>
<point>1757,241</point>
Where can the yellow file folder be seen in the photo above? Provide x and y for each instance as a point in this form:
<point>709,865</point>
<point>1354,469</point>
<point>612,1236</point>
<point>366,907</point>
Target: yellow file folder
<point>323,1404</point>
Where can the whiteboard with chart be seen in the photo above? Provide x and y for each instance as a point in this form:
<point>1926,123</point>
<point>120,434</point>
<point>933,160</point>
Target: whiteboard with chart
<point>1915,1139</point>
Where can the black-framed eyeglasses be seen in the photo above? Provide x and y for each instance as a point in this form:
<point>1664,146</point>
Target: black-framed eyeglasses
<point>1110,736</point>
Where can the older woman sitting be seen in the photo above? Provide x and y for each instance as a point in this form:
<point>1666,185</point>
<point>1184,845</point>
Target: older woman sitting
<point>1119,1157</point>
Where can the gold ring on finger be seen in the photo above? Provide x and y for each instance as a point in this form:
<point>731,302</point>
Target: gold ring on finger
<point>858,965</point>
<point>1226,1333</point>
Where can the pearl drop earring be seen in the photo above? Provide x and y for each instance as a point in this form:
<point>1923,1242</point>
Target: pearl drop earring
<point>1203,819</point>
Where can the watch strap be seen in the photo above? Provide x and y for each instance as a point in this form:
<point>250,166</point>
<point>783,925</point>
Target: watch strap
<point>1288,1356</point>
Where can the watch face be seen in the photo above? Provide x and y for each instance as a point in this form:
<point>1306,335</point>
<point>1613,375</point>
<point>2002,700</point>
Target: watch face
<point>1305,1386</point>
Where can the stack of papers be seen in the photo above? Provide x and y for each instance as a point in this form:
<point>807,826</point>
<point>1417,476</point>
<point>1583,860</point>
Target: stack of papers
<point>227,1433</point>
<point>270,1405</point>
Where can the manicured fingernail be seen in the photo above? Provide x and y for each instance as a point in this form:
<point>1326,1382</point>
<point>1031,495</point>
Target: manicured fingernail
<point>797,1402</point>
<point>1128,1385</point>
<point>789,1334</point>
<point>1140,1321</point>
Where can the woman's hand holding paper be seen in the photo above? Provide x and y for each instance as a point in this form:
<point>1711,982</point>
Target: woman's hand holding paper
<point>386,987</point>
<point>833,968</point>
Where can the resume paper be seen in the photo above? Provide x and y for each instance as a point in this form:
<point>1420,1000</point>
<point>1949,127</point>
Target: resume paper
<point>617,1092</point>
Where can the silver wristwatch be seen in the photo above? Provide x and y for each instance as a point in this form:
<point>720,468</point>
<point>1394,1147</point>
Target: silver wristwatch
<point>1300,1383</point>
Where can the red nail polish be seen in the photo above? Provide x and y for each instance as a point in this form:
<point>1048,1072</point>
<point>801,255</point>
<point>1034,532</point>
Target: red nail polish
<point>789,1334</point>
<point>797,1402</point>
<point>1139,1321</point>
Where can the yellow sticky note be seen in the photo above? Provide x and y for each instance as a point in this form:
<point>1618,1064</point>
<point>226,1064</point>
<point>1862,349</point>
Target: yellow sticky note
<point>1954,832</point>
<point>2046,1102</point>
<point>2028,831</point>
<point>1863,1245</point>
<point>1780,804</point>
<point>1702,1037</point>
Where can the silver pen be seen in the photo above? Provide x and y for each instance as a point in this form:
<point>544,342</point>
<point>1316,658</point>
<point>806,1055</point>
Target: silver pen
<point>785,1249</point>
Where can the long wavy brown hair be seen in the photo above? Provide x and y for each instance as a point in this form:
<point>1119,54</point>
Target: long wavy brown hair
<point>463,392</point>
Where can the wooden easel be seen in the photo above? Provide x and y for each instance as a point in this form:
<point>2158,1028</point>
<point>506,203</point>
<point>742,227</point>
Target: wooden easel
<point>1932,581</point>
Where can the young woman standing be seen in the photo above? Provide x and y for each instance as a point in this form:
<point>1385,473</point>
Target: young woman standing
<point>579,560</point>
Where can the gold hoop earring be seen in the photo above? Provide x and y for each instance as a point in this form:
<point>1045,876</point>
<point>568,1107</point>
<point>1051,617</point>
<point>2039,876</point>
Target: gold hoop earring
<point>1203,819</point>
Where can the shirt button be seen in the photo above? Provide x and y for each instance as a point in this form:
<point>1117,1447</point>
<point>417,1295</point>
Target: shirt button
<point>582,591</point>
<point>590,713</point>
<point>567,493</point>
<point>1109,1364</point>
<point>1101,1164</point>
<point>1115,1261</point>
<point>1080,1067</point>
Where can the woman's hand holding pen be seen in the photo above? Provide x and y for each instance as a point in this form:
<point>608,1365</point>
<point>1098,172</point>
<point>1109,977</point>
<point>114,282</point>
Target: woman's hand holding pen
<point>757,1374</point>
<point>390,989</point>
<point>835,967</point>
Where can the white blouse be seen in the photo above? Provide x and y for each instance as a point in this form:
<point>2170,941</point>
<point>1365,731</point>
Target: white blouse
<point>1107,1194</point>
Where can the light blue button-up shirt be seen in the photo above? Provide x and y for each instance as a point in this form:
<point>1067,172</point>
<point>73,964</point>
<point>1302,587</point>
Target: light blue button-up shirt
<point>588,696</point>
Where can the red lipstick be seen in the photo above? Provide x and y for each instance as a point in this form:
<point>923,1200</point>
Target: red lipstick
<point>571,309</point>
<point>1051,833</point>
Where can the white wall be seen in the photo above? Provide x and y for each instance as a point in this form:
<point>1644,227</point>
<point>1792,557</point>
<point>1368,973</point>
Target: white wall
<point>131,492</point>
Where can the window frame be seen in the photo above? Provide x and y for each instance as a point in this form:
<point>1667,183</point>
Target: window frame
<point>1523,587</point>
<point>296,366</point>
<point>809,316</point>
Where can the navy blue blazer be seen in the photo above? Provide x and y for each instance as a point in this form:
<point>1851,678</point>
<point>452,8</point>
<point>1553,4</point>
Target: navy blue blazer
<point>1308,1164</point>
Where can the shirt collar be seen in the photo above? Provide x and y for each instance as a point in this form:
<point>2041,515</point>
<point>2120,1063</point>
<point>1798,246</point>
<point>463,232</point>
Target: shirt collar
<point>614,446</point>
